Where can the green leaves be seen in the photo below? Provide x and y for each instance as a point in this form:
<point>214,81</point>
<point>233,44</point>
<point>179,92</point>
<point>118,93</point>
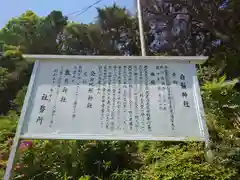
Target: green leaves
<point>218,84</point>
<point>85,178</point>
<point>3,78</point>
<point>7,128</point>
<point>221,95</point>
<point>184,162</point>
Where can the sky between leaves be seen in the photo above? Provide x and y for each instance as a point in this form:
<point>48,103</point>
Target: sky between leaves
<point>13,8</point>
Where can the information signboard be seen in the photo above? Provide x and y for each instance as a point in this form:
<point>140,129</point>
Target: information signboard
<point>113,99</point>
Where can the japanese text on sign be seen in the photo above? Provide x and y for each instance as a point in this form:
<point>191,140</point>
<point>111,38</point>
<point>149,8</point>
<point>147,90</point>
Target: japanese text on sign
<point>118,100</point>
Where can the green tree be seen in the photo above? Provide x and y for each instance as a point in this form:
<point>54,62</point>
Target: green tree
<point>119,34</point>
<point>82,39</point>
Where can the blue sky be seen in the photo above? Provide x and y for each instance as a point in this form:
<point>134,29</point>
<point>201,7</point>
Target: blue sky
<point>13,8</point>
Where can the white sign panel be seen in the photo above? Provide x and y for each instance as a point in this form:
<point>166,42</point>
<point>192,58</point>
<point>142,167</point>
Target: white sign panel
<point>122,100</point>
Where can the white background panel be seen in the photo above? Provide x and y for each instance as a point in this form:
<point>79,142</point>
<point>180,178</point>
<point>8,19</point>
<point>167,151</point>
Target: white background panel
<point>180,122</point>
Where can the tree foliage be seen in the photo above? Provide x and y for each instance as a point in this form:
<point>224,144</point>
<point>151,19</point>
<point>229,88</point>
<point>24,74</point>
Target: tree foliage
<point>174,27</point>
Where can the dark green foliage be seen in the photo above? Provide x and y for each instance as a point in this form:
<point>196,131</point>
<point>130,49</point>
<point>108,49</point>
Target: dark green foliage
<point>18,74</point>
<point>76,158</point>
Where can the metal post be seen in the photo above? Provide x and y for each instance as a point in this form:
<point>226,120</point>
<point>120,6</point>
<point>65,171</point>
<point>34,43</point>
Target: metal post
<point>17,137</point>
<point>11,158</point>
<point>141,28</point>
<point>201,114</point>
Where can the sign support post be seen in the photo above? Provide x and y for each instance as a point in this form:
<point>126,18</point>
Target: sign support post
<point>141,28</point>
<point>16,140</point>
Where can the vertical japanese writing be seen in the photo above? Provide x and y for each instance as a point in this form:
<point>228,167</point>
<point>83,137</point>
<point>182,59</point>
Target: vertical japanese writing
<point>59,81</point>
<point>100,79</point>
<point>148,115</point>
<point>122,99</point>
<point>114,83</point>
<point>170,97</point>
<point>162,102</point>
<point>74,74</point>
<point>184,93</point>
<point>109,100</point>
<point>130,84</point>
<point>159,87</point>
<point>174,78</point>
<point>54,79</point>
<point>142,104</point>
<point>136,103</point>
<point>42,109</point>
<point>119,82</point>
<point>76,78</point>
<point>79,72</point>
<point>85,79</point>
<point>91,84</point>
<point>67,76</point>
<point>103,103</point>
<point>124,93</point>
